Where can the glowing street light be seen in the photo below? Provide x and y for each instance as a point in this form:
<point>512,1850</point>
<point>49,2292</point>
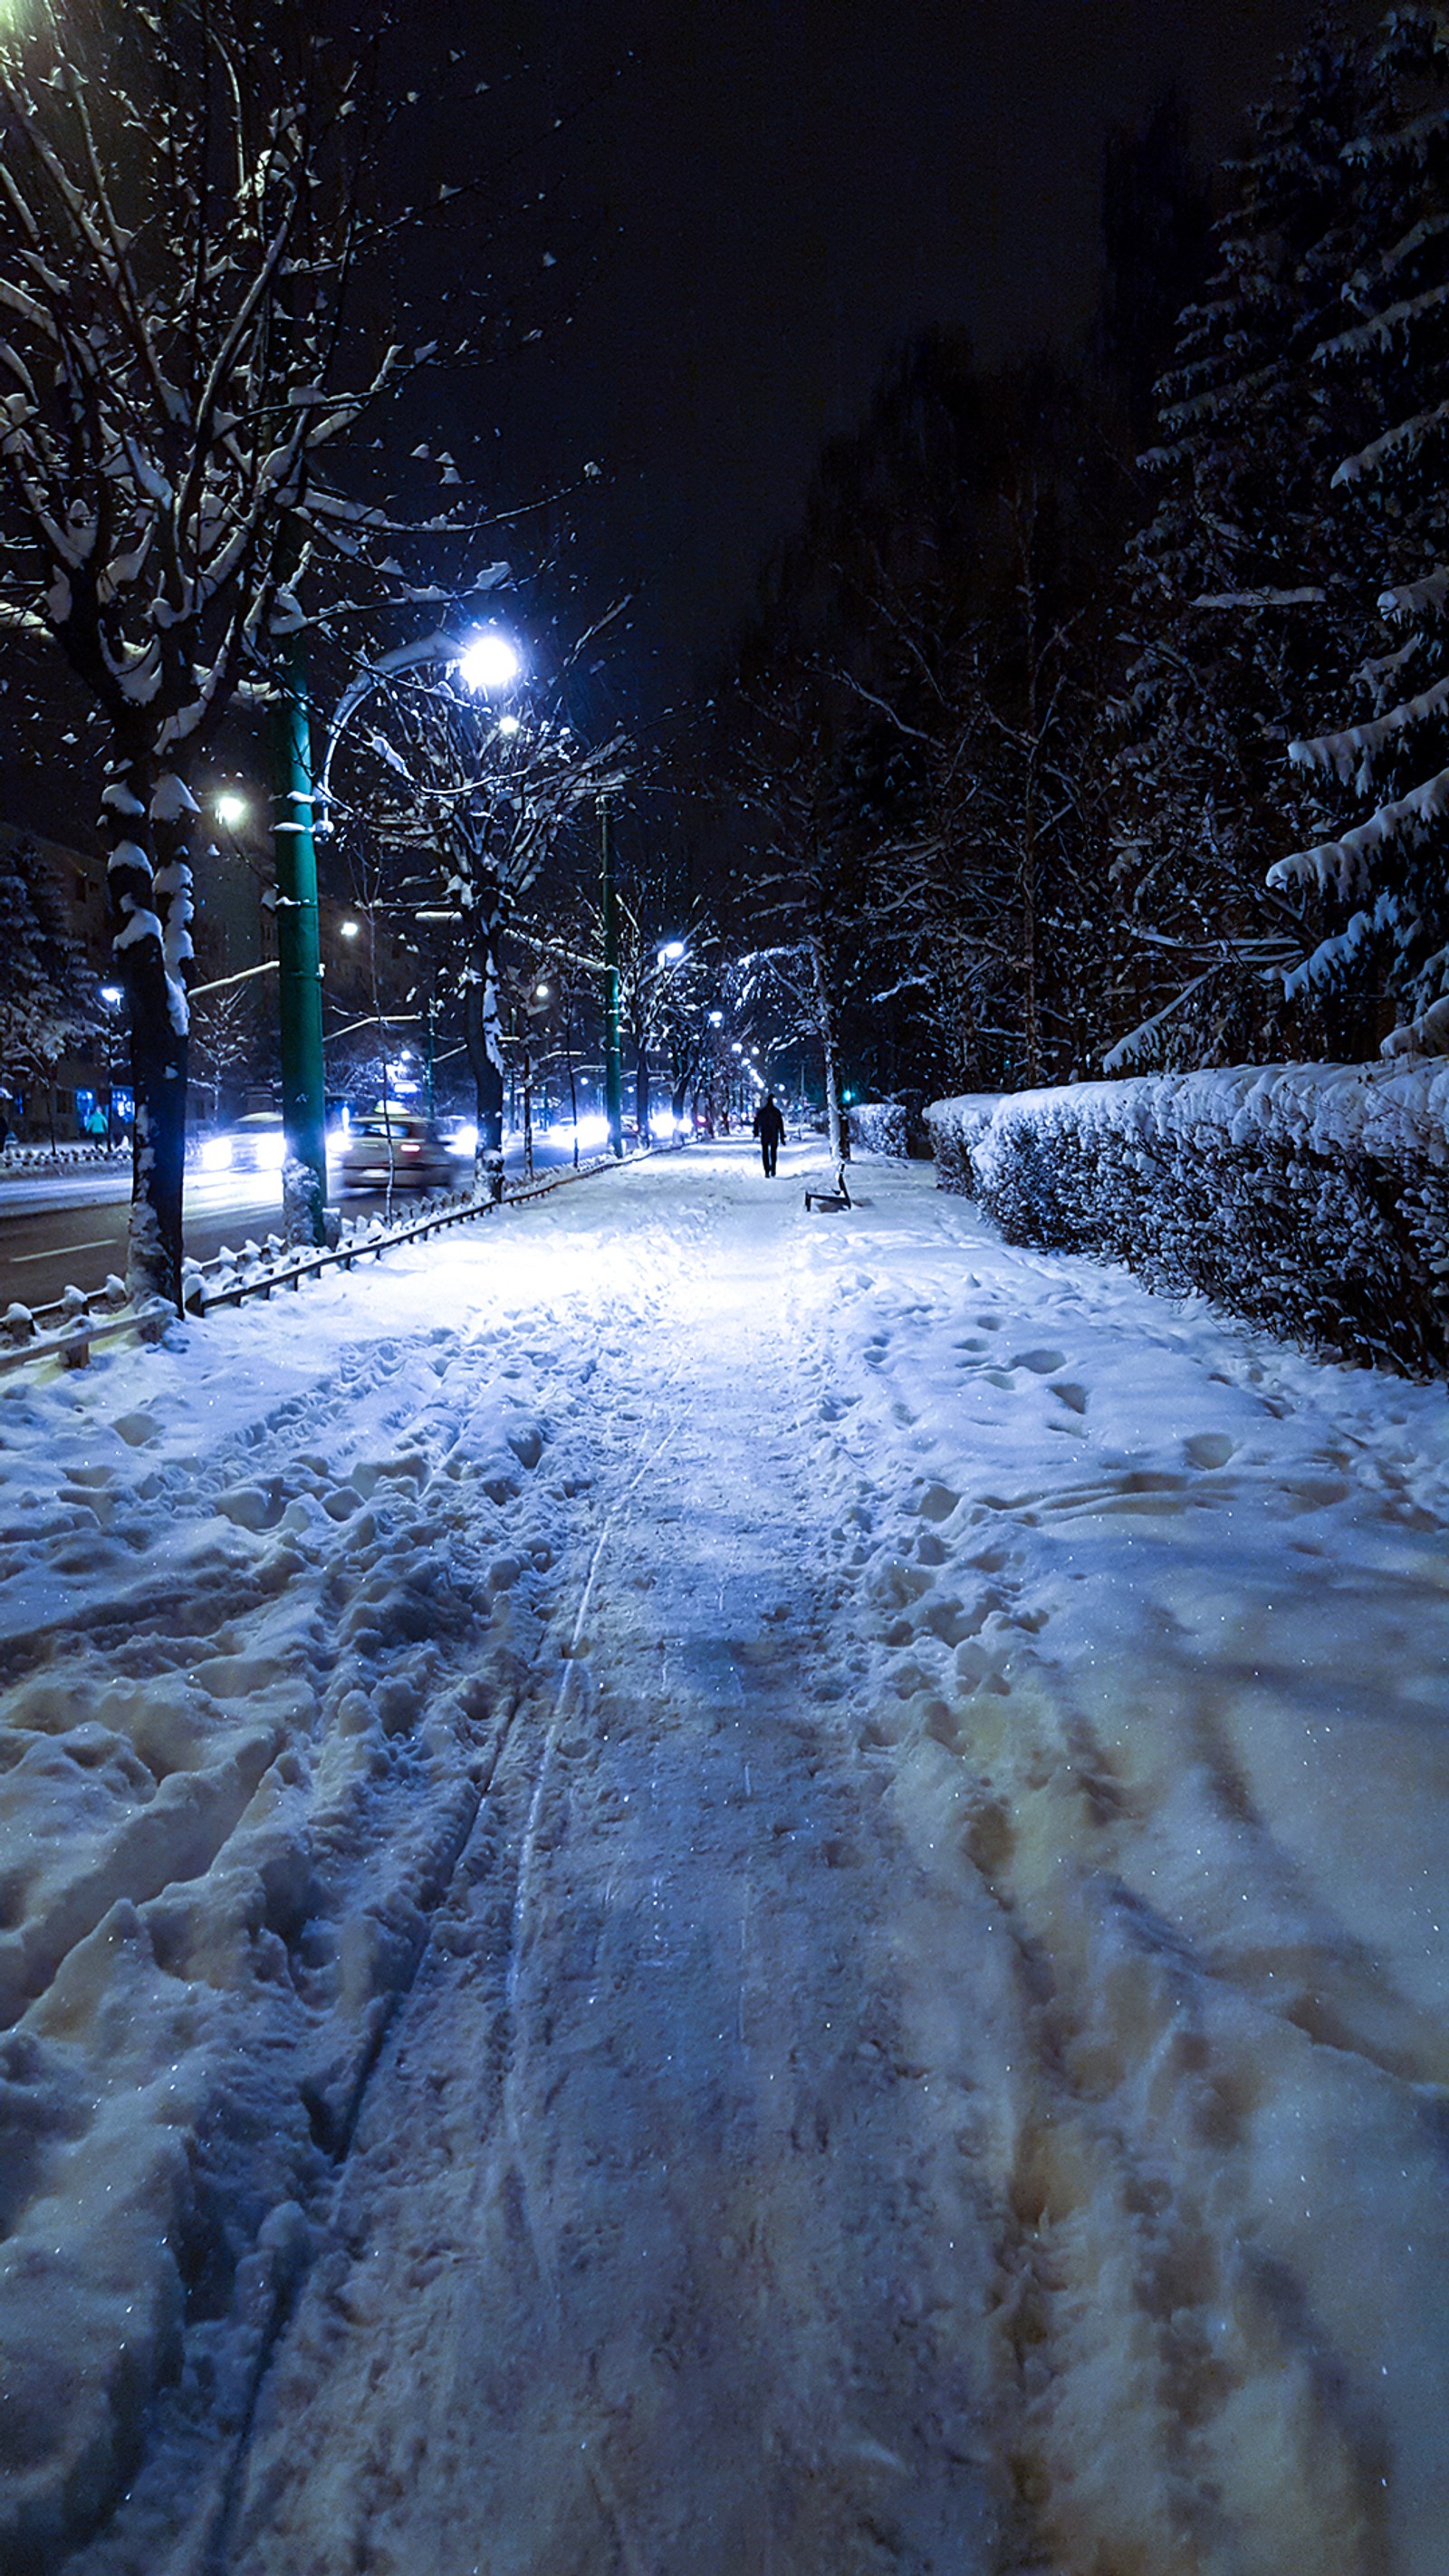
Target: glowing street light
<point>490,662</point>
<point>231,811</point>
<point>672,952</point>
<point>349,929</point>
<point>508,724</point>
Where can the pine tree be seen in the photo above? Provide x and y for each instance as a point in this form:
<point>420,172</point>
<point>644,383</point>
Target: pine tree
<point>1393,866</point>
<point>1245,602</point>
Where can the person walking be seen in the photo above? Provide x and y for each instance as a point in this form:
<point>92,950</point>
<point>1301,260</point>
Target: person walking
<point>770,1129</point>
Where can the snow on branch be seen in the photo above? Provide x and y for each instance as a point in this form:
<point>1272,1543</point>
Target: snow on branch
<point>1381,329</point>
<point>1402,439</point>
<point>1409,598</point>
<point>1427,1035</point>
<point>1345,753</point>
<point>1342,866</point>
<point>1332,957</point>
<point>1309,597</point>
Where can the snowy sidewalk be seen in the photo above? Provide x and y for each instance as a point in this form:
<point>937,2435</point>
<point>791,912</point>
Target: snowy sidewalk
<point>701,1890</point>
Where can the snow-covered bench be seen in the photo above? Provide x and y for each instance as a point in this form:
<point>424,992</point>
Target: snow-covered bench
<point>828,1194</point>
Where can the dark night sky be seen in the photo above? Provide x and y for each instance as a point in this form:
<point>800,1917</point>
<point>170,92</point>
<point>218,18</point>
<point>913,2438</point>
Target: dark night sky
<point>775,195</point>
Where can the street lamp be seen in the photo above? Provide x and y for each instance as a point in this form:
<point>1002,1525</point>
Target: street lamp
<point>231,811</point>
<point>490,662</point>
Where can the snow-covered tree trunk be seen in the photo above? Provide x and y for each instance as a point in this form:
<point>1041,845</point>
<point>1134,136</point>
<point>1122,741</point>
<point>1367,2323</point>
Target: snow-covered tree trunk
<point>483,1035</point>
<point>144,819</point>
<point>825,1021</point>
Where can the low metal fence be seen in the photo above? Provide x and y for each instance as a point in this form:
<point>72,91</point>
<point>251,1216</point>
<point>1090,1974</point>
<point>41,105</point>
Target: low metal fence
<point>66,1328</point>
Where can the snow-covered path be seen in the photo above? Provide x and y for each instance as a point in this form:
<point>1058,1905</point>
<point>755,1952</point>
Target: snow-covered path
<point>664,2286</point>
<point>692,1889</point>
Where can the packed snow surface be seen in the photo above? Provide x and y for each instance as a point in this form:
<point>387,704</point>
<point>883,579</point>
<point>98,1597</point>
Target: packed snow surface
<point>697,1890</point>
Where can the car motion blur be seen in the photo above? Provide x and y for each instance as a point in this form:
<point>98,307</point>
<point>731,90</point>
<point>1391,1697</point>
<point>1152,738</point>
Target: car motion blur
<point>255,1143</point>
<point>394,1144</point>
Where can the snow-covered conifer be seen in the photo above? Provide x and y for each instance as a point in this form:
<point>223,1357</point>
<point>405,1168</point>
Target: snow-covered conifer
<point>1245,591</point>
<point>1389,872</point>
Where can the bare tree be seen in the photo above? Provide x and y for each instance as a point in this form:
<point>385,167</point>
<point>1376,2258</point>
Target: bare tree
<point>186,192</point>
<point>224,1034</point>
<point>478,803</point>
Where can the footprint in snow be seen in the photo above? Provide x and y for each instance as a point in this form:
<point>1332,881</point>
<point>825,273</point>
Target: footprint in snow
<point>1040,1362</point>
<point>138,1430</point>
<point>1208,1449</point>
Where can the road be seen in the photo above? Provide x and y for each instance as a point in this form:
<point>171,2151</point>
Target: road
<point>75,1233</point>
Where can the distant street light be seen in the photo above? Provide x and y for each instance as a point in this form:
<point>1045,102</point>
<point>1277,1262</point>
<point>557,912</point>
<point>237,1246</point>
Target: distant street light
<point>672,952</point>
<point>508,724</point>
<point>349,929</point>
<point>231,811</point>
<point>113,995</point>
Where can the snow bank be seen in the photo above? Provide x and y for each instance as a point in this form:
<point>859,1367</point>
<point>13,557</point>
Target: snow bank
<point>264,1600</point>
<point>1151,1632</point>
<point>1312,1198</point>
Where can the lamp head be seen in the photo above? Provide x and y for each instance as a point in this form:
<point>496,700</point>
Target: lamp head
<point>490,662</point>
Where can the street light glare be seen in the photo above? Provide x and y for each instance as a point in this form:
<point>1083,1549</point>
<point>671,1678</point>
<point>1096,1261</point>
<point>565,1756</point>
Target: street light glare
<point>508,724</point>
<point>490,662</point>
<point>671,952</point>
<point>349,929</point>
<point>112,994</point>
<point>231,811</point>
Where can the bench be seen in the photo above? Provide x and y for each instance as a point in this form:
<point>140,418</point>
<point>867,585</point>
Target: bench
<point>829,1198</point>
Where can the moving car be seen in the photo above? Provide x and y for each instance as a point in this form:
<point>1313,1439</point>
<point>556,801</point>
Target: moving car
<point>252,1144</point>
<point>397,1142</point>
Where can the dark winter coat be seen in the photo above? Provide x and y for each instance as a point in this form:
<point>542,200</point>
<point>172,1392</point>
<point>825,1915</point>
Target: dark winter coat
<point>769,1125</point>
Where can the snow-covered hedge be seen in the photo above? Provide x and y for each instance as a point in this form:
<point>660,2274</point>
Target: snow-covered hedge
<point>880,1127</point>
<point>1310,1198</point>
